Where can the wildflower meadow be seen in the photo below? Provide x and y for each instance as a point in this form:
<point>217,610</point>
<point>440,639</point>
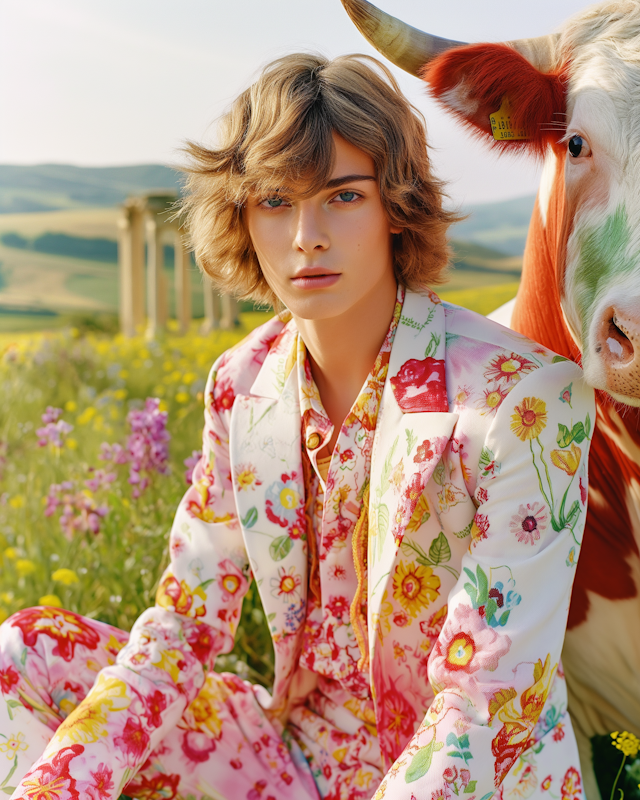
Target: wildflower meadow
<point>98,437</point>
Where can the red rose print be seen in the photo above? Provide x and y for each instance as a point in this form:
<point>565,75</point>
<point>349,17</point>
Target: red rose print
<point>201,639</point>
<point>338,606</point>
<point>421,385</point>
<point>424,452</point>
<point>68,629</point>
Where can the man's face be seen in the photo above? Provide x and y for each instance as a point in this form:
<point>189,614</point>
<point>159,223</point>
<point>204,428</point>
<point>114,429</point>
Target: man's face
<point>326,254</point>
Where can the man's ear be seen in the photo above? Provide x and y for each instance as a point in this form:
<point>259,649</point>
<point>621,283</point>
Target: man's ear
<point>473,82</point>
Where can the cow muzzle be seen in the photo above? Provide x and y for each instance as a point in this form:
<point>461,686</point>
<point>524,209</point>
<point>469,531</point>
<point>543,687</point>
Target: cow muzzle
<point>617,344</point>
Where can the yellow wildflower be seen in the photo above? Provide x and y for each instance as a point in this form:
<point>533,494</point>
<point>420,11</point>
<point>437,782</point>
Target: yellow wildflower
<point>123,374</point>
<point>11,553</point>
<point>626,742</point>
<point>70,406</point>
<point>50,600</point>
<point>25,567</point>
<point>72,444</point>
<point>182,397</point>
<point>87,415</point>
<point>65,576</point>
<point>120,394</point>
<point>18,501</point>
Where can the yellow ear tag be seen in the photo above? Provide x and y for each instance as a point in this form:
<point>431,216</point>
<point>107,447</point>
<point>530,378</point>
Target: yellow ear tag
<point>501,125</point>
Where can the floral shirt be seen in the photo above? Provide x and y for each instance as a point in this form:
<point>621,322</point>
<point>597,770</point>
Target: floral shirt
<point>330,647</point>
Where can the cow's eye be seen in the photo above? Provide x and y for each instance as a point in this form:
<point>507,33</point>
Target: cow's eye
<point>578,147</point>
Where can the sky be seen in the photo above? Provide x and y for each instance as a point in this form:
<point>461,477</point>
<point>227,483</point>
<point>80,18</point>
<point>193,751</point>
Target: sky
<point>115,82</point>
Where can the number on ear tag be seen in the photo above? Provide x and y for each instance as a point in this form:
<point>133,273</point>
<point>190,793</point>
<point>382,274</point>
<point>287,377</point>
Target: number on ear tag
<point>501,125</point>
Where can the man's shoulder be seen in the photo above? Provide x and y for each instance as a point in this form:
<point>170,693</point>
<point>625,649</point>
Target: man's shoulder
<point>466,330</point>
<point>237,368</point>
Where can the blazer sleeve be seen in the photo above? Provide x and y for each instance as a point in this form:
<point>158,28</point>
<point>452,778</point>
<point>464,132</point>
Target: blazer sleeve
<point>494,664</point>
<point>136,701</point>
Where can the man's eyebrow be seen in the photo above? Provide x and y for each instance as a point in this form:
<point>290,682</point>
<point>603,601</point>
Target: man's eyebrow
<point>348,179</point>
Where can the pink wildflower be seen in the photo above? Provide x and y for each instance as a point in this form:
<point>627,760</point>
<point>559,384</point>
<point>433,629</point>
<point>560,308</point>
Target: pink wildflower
<point>54,430</point>
<point>190,464</point>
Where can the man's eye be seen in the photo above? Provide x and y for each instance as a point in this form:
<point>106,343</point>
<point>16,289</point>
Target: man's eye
<point>347,197</point>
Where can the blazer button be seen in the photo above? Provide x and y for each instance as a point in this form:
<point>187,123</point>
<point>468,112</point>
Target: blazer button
<point>313,441</point>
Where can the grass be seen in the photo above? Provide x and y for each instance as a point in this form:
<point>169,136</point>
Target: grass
<point>97,380</point>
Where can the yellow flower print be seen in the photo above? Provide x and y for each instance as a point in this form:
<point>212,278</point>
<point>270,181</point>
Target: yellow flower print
<point>381,620</point>
<point>246,477</point>
<point>87,723</point>
<point>421,514</point>
<point>415,586</point>
<point>567,460</point>
<point>530,418</point>
<point>13,745</point>
<point>204,708</point>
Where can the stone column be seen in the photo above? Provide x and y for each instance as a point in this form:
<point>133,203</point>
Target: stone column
<point>131,261</point>
<point>211,307</point>
<point>156,284</point>
<point>229,318</point>
<point>182,282</point>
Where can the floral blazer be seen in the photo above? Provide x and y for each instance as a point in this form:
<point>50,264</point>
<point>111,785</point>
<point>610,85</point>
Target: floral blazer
<point>478,481</point>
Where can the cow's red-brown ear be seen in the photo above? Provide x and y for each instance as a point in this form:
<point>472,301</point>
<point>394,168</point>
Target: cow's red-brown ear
<point>473,81</point>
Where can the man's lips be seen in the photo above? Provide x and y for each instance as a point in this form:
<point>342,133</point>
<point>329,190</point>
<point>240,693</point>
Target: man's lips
<point>315,278</point>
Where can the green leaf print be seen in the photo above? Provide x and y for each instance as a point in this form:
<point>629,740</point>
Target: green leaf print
<point>554,360</point>
<point>577,434</point>
<point>422,760</point>
<point>280,547</point>
<point>464,532</point>
<point>386,470</point>
<point>587,426</point>
<point>251,518</point>
<point>383,521</point>
<point>433,345</point>
<point>440,552</point>
<point>438,474</point>
<point>470,787</point>
<point>411,440</point>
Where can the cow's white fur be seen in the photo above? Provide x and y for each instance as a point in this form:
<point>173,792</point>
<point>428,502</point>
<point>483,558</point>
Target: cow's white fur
<point>602,47</point>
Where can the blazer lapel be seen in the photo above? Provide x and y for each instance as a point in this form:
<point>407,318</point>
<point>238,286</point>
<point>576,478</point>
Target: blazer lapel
<point>413,430</point>
<point>265,438</point>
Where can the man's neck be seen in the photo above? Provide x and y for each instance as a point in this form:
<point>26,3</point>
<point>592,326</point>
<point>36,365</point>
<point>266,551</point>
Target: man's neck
<point>342,350</point>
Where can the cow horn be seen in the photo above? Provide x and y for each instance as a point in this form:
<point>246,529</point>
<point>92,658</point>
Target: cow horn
<point>410,48</point>
<point>406,47</point>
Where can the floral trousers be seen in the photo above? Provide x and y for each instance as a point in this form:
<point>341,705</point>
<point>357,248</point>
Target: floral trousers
<point>225,746</point>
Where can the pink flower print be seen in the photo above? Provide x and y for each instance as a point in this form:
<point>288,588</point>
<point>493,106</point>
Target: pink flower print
<point>530,521</point>
<point>466,645</point>
<point>424,452</point>
<point>482,495</point>
<point>479,528</point>
<point>508,368</point>
<point>465,776</point>
<point>197,746</point>
<point>156,704</point>
<point>338,607</point>
<point>230,580</point>
<point>421,385</point>
<point>223,396</point>
<point>565,395</point>
<point>102,783</point>
<point>450,774</point>
<point>133,741</point>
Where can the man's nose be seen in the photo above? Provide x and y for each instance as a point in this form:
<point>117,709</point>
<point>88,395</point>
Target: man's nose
<point>310,229</point>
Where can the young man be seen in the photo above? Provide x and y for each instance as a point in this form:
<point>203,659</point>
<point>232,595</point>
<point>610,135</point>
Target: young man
<point>391,471</point>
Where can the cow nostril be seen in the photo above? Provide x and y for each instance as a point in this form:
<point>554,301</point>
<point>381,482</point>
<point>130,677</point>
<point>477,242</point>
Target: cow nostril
<point>619,343</point>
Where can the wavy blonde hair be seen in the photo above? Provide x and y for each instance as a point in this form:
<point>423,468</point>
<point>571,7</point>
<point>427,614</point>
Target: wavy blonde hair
<point>278,134</point>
